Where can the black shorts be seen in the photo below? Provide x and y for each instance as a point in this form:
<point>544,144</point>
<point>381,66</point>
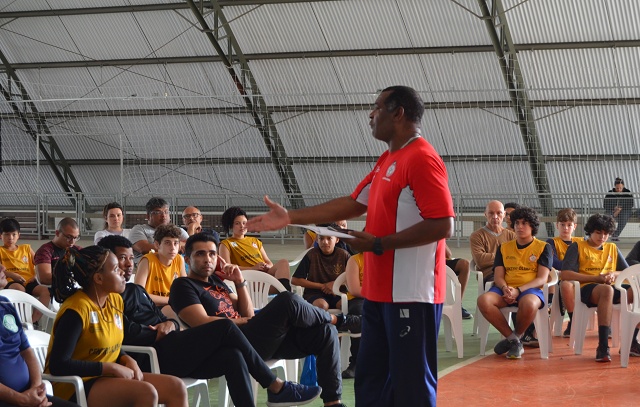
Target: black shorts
<point>452,263</point>
<point>28,288</point>
<point>332,300</point>
<point>587,290</point>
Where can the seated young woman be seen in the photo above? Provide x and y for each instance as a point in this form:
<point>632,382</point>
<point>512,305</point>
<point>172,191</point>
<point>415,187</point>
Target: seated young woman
<point>88,333</point>
<point>248,252</point>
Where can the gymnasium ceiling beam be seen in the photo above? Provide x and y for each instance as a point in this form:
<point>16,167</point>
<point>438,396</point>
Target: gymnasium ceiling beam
<point>500,34</point>
<point>327,54</point>
<point>223,40</point>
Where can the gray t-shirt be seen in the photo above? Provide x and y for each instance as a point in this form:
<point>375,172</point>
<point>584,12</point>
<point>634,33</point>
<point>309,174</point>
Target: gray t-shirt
<point>145,232</point>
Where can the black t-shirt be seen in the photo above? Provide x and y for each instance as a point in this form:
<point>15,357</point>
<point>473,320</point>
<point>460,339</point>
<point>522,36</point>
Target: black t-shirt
<point>212,294</point>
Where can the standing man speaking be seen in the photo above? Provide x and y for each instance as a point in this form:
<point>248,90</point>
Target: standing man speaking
<point>409,214</point>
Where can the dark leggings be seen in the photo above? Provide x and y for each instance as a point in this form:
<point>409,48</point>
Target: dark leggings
<point>291,328</point>
<point>215,349</point>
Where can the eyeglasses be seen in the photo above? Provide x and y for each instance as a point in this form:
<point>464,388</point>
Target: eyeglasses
<point>71,238</point>
<point>165,212</point>
<point>190,215</point>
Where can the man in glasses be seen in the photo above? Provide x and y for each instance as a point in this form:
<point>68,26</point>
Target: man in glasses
<point>142,235</point>
<point>192,219</point>
<point>67,234</point>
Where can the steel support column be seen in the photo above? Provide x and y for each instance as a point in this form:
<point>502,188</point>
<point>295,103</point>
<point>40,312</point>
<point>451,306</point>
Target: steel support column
<point>498,29</point>
<point>224,42</point>
<point>34,123</point>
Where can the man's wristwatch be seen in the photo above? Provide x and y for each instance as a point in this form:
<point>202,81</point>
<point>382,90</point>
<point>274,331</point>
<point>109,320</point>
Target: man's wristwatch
<point>377,246</point>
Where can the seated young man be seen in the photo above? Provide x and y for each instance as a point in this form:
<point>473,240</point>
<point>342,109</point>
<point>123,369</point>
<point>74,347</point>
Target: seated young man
<point>286,328</point>
<point>20,376</point>
<point>566,222</point>
<point>594,263</point>
<point>319,269</point>
<point>157,270</point>
<point>521,268</point>
<point>210,350</point>
<point>18,261</point>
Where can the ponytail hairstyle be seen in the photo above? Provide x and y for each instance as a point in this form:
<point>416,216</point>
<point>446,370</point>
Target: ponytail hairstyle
<point>105,212</point>
<point>75,270</point>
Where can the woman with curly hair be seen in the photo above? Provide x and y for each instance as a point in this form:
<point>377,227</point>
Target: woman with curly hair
<point>248,252</point>
<point>88,332</point>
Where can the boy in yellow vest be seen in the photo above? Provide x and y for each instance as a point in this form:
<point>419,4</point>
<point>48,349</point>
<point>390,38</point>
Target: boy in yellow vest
<point>157,269</point>
<point>520,270</point>
<point>18,261</point>
<point>566,223</point>
<point>595,263</point>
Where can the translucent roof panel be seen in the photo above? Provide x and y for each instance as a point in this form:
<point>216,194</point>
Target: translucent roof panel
<point>473,132</point>
<point>545,21</point>
<point>570,74</point>
<point>596,130</point>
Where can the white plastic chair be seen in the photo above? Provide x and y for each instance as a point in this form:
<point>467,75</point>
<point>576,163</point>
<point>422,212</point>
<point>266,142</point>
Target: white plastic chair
<point>296,288</point>
<point>25,305</point>
<point>201,387</point>
<point>452,310</point>
<point>39,342</point>
<point>345,342</point>
<point>556,318</point>
<point>258,285</point>
<point>482,288</point>
<point>541,322</point>
<point>581,316</point>
<point>629,314</point>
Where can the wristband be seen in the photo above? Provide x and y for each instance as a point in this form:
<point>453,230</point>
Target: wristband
<point>242,284</point>
<point>519,290</point>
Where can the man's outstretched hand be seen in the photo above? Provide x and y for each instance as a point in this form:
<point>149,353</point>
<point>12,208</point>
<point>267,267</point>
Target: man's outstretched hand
<point>275,219</point>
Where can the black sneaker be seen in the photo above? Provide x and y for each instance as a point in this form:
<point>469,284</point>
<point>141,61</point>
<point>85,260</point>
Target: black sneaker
<point>293,394</point>
<point>351,323</point>
<point>567,332</point>
<point>603,355</point>
<point>530,340</point>
<point>502,347</point>
<point>350,372</point>
<point>635,349</point>
<point>466,314</point>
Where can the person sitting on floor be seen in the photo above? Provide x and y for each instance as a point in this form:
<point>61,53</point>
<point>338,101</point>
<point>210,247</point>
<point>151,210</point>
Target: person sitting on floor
<point>521,268</point>
<point>595,264</point>
<point>227,351</point>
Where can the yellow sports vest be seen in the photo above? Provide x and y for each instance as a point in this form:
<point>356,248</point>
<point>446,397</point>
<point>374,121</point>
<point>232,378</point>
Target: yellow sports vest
<point>561,246</point>
<point>18,261</point>
<point>160,276</point>
<point>359,259</point>
<point>101,336</point>
<point>244,252</point>
<point>521,265</point>
<point>592,261</point>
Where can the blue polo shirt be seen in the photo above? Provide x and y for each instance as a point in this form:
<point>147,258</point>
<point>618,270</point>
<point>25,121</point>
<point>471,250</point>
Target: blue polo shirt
<point>14,372</point>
